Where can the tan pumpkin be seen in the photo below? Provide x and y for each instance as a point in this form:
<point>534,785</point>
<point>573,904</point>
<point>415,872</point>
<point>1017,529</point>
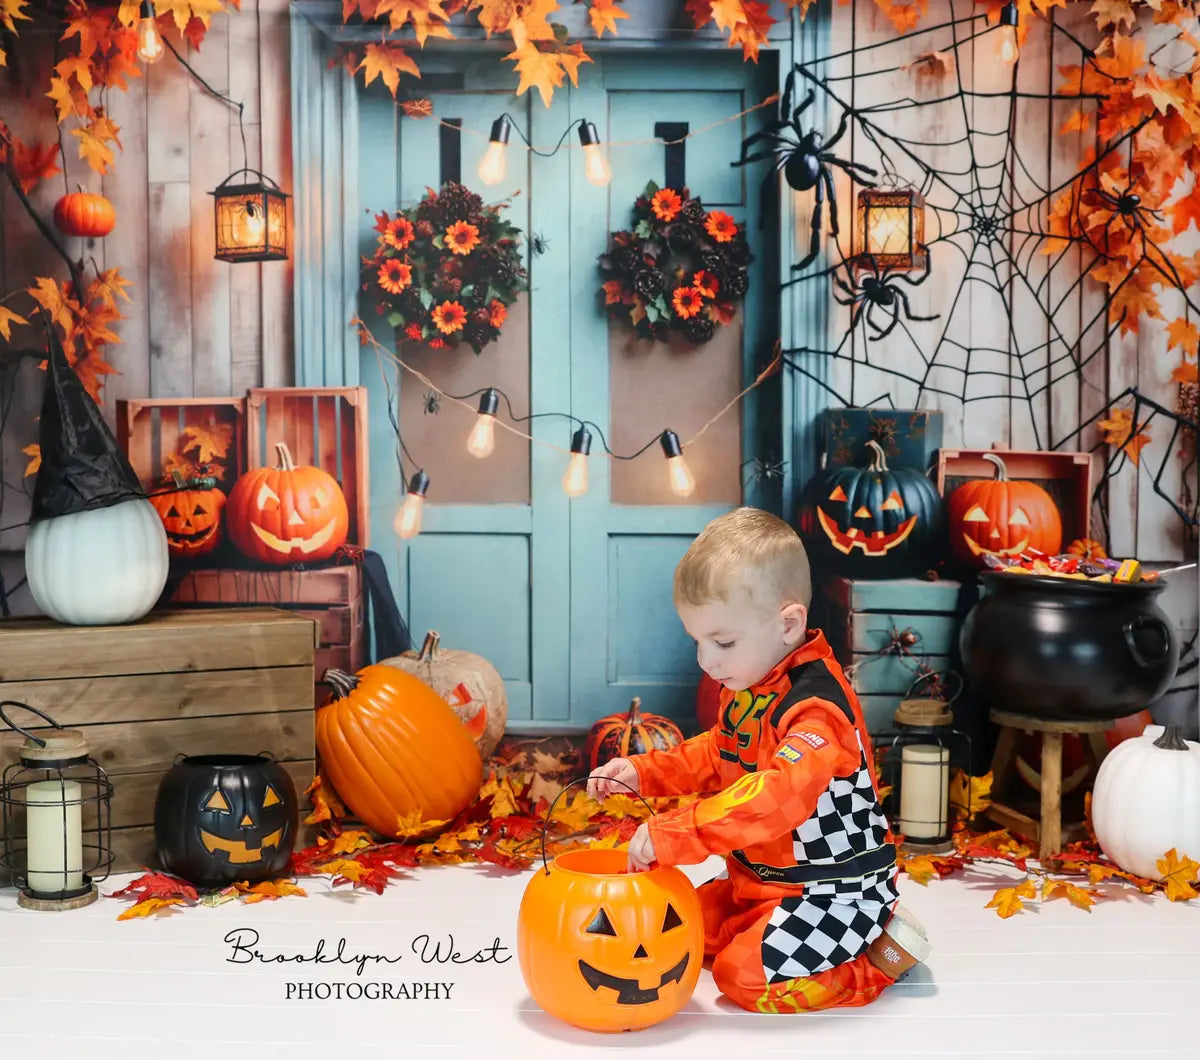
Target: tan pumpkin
<point>468,682</point>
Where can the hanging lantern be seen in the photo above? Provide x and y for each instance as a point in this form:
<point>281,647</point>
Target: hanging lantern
<point>891,230</point>
<point>46,799</point>
<point>251,219</point>
<point>921,754</point>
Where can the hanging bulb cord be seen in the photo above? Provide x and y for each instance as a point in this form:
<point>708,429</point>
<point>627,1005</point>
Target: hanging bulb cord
<point>239,107</point>
<point>512,124</point>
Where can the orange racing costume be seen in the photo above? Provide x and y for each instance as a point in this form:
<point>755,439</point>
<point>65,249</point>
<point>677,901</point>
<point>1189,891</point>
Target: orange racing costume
<point>810,872</point>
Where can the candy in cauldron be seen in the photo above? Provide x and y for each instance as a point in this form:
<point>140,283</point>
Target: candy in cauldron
<point>1065,649</point>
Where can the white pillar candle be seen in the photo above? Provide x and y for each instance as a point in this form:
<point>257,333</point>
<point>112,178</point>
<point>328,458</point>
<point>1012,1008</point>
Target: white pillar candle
<point>54,831</point>
<point>924,790</point>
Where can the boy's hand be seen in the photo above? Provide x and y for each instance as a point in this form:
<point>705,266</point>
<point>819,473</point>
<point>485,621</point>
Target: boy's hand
<point>641,849</point>
<point>612,778</point>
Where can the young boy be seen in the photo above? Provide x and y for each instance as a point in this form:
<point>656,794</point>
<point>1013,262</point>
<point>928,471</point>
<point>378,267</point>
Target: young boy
<point>801,917</point>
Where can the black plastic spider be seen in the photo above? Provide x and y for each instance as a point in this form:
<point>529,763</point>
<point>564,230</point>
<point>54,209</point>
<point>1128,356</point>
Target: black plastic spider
<point>768,470</point>
<point>431,402</point>
<point>877,289</point>
<point>538,243</point>
<point>805,159</point>
<point>1127,205</point>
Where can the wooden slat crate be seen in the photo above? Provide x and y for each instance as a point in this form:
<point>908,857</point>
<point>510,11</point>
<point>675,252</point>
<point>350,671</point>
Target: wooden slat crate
<point>322,426</point>
<point>150,430</point>
<point>866,617</point>
<point>181,681</point>
<point>333,597</point>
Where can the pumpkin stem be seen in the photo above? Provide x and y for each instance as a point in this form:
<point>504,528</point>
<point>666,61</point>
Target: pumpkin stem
<point>341,682</point>
<point>878,457</point>
<point>284,456</point>
<point>1171,740</point>
<point>634,707</point>
<point>1001,470</point>
<point>430,648</point>
<point>177,480</point>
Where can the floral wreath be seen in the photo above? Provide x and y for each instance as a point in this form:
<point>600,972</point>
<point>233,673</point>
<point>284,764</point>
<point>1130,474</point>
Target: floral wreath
<point>681,266</point>
<point>446,270</point>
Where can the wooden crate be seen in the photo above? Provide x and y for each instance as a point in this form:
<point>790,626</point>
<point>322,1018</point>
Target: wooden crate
<point>322,426</point>
<point>864,618</point>
<point>333,597</point>
<point>150,430</point>
<point>1069,478</point>
<point>181,681</point>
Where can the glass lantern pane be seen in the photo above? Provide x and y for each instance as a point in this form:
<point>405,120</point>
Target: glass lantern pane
<point>887,230</point>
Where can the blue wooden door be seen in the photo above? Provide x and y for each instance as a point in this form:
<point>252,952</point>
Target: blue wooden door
<point>569,599</point>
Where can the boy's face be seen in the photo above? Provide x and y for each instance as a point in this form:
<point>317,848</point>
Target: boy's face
<point>739,641</point>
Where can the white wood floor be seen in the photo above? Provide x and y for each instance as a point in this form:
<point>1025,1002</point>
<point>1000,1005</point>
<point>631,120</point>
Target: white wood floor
<point>1120,981</point>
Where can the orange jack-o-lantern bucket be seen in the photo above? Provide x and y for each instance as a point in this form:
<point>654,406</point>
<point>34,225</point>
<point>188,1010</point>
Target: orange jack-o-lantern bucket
<point>605,949</point>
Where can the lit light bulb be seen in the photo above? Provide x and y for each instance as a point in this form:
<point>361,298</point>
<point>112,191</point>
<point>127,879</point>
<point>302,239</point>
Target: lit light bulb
<point>482,439</point>
<point>575,479</point>
<point>149,43</point>
<point>250,226</point>
<point>408,519</point>
<point>1007,50</point>
<point>679,475</point>
<point>492,164</point>
<point>595,164</point>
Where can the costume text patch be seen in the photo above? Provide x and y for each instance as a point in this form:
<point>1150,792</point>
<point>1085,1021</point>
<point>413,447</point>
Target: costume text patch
<point>788,753</point>
<point>811,738</point>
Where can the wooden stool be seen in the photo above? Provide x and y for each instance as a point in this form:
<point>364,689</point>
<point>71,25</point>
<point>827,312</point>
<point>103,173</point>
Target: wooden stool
<point>1048,831</point>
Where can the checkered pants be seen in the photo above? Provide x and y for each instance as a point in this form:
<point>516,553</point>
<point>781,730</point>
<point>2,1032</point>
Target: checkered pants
<point>828,925</point>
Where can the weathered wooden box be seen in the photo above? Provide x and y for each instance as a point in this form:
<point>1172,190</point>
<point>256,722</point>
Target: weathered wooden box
<point>883,631</point>
<point>152,431</point>
<point>333,597</point>
<point>179,682</point>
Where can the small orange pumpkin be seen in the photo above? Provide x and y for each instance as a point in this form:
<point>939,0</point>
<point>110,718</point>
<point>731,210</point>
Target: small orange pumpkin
<point>392,748</point>
<point>1086,548</point>
<point>608,950</point>
<point>622,735</point>
<point>1002,517</point>
<point>191,514</point>
<point>81,213</point>
<point>287,514</point>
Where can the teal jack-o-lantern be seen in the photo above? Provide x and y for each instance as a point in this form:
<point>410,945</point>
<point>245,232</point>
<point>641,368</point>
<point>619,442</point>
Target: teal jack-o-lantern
<point>872,522</point>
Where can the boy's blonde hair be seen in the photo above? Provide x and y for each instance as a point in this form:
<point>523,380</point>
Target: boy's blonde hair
<point>750,548</point>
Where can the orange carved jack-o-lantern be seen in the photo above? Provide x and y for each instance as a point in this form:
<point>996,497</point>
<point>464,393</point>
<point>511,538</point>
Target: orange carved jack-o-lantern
<point>607,950</point>
<point>1001,517</point>
<point>287,514</point>
<point>191,515</point>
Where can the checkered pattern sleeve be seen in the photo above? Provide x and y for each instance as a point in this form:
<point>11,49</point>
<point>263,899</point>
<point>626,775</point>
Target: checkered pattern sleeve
<point>683,770</point>
<point>819,745</point>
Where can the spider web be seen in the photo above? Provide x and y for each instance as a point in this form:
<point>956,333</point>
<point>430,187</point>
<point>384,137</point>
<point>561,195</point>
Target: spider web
<point>988,212</point>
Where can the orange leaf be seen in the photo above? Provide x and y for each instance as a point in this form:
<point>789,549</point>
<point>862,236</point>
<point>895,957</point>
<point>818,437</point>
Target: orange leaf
<point>1130,301</point>
<point>412,824</point>
<point>604,15</point>
<point>149,907</point>
<point>903,16</point>
<point>751,34</point>
<point>93,146</point>
<point>1181,332</point>
<point>537,69</point>
<point>7,319</point>
<point>34,452</point>
<point>1178,875</point>
<point>1185,374</point>
<point>420,13</point>
<point>211,442</point>
<point>1112,13</point>
<point>1079,121</point>
<point>348,842</point>
<point>108,287</point>
<point>1184,212</point>
<point>10,11</point>
<point>417,108</point>
<point>1081,897</point>
<point>1007,901</point>
<point>387,62</point>
<point>327,804</point>
<point>258,892</point>
<point>920,869</point>
<point>33,164</point>
<point>1118,432</point>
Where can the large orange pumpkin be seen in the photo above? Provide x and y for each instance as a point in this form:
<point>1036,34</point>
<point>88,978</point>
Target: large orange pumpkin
<point>632,733</point>
<point>608,950</point>
<point>287,514</point>
<point>83,214</point>
<point>1002,517</point>
<point>191,514</point>
<point>392,747</point>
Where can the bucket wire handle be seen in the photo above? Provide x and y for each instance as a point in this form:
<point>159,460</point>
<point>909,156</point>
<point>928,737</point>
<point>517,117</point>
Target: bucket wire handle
<point>581,780</point>
<point>33,710</point>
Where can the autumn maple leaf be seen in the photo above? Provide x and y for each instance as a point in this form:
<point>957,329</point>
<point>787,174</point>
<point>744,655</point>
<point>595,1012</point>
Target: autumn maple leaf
<point>604,15</point>
<point>33,163</point>
<point>211,442</point>
<point>7,319</point>
<point>1081,897</point>
<point>969,795</point>
<point>387,62</point>
<point>1118,432</point>
<point>427,17</point>
<point>417,108</point>
<point>268,889</point>
<point>1185,212</point>
<point>1007,901</point>
<point>157,885</point>
<point>149,907</point>
<point>1181,333</point>
<point>34,452</point>
<point>1178,875</point>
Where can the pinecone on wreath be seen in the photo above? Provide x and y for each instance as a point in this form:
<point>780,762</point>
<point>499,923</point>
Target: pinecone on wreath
<point>453,285</point>
<point>693,211</point>
<point>456,203</point>
<point>736,282</point>
<point>699,329</point>
<point>631,260</point>
<point>477,334</point>
<point>481,316</point>
<point>423,230</point>
<point>648,282</point>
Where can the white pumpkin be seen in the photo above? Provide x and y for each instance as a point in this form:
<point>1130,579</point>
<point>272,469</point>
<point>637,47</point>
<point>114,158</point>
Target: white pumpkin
<point>102,567</point>
<point>1147,800</point>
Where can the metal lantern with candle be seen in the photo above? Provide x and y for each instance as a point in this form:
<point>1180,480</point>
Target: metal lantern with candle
<point>251,219</point>
<point>891,230</point>
<point>46,798</point>
<point>920,756</point>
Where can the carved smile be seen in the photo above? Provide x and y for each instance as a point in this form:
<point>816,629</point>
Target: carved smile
<point>629,991</point>
<point>239,853</point>
<point>199,535</point>
<point>873,544</point>
<point>978,550</point>
<point>304,544</point>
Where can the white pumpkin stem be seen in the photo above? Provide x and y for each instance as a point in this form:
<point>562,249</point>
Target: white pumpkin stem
<point>634,707</point>
<point>1001,470</point>
<point>341,682</point>
<point>878,457</point>
<point>430,648</point>
<point>1170,739</point>
<point>284,456</point>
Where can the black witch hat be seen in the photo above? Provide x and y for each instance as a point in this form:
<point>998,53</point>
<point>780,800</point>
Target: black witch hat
<point>82,467</point>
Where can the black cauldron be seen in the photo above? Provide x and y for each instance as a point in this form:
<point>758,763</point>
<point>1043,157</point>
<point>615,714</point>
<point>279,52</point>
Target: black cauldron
<point>1067,649</point>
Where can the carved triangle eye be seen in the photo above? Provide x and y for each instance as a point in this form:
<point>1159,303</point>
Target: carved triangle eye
<point>975,514</point>
<point>838,494</point>
<point>1019,518</point>
<point>217,802</point>
<point>601,925</point>
<point>671,920</point>
<point>892,504</point>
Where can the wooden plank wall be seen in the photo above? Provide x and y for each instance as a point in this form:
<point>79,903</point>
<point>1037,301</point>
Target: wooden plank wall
<point>195,325</point>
